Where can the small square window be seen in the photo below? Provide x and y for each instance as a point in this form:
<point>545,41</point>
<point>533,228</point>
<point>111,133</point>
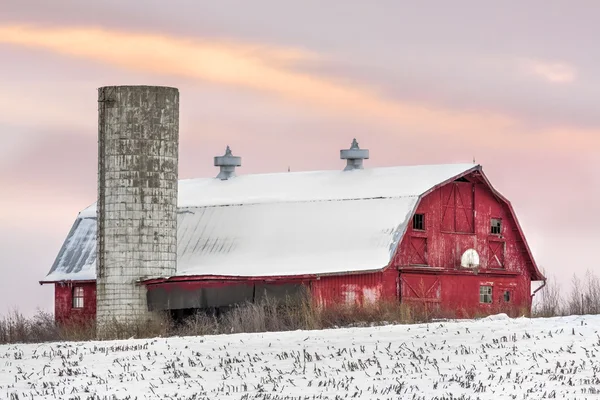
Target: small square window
<point>419,222</point>
<point>485,294</point>
<point>496,226</point>
<point>506,296</point>
<point>77,297</point>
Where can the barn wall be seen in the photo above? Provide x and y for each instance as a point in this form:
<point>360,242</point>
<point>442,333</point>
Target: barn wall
<point>353,289</point>
<point>63,303</point>
<point>458,295</point>
<point>360,289</point>
<point>441,246</point>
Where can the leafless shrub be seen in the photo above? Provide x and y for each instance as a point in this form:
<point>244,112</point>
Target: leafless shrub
<point>15,328</point>
<point>575,302</point>
<point>81,330</point>
<point>548,302</point>
<point>197,325</point>
<point>585,295</point>
<point>591,294</point>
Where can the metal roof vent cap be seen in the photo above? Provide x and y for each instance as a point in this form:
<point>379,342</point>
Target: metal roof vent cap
<point>354,156</point>
<point>227,164</point>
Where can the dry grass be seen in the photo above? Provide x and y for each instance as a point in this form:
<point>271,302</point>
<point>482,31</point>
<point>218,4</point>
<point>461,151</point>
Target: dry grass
<point>266,316</point>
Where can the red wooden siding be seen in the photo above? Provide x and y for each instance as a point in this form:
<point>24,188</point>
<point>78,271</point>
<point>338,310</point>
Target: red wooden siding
<point>359,289</point>
<point>63,302</point>
<point>356,289</point>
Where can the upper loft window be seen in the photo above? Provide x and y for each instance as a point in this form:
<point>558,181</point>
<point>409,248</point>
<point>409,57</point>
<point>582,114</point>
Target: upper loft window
<point>78,297</point>
<point>419,222</point>
<point>496,226</point>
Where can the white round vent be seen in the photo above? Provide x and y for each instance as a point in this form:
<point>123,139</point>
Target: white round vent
<point>470,259</point>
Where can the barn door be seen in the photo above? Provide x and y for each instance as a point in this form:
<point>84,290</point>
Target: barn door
<point>458,207</point>
<point>421,292</point>
<point>464,207</point>
<point>448,208</point>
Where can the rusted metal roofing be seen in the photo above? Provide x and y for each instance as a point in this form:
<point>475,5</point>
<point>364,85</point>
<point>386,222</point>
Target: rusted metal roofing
<point>304,223</point>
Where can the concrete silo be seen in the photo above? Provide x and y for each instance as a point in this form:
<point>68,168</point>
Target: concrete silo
<point>138,137</point>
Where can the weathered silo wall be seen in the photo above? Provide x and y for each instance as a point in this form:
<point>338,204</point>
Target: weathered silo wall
<point>138,136</point>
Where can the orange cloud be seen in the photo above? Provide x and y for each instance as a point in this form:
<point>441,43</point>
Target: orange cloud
<point>271,70</point>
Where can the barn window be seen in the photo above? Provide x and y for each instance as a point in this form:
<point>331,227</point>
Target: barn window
<point>419,222</point>
<point>496,226</point>
<point>77,297</point>
<point>485,294</point>
<point>506,296</point>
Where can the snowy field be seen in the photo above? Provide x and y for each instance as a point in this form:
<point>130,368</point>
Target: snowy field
<point>491,358</point>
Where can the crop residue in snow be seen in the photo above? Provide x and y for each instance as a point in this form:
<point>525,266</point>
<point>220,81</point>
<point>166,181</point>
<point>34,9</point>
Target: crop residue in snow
<point>486,359</point>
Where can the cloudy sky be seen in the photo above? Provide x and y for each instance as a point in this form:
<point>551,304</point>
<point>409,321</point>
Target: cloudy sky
<point>513,84</point>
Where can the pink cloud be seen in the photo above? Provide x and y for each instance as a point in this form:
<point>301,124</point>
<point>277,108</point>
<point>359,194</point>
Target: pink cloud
<point>270,70</point>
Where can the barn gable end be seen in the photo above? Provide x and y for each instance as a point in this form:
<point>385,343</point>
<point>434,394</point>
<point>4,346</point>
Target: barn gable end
<point>455,218</point>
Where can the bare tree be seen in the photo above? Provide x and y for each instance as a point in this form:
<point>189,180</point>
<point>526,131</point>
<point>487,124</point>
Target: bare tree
<point>575,304</point>
<point>591,293</point>
<point>548,301</point>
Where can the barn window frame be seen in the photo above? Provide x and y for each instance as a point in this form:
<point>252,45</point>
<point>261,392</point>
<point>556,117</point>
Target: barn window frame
<point>506,296</point>
<point>419,222</point>
<point>496,226</point>
<point>78,297</point>
<point>485,294</point>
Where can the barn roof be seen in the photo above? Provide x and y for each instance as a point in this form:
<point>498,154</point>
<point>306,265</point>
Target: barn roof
<point>300,223</point>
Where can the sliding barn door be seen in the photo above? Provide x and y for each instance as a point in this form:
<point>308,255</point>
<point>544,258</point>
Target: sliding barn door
<point>421,292</point>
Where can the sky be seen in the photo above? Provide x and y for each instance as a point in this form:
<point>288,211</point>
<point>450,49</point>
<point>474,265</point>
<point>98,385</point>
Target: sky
<point>513,84</point>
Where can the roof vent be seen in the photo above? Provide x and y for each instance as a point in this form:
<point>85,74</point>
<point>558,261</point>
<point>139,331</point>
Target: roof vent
<point>354,156</point>
<point>227,163</point>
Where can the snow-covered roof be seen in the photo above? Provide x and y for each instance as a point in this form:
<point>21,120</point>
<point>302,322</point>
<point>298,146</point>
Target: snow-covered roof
<point>294,223</point>
<point>76,260</point>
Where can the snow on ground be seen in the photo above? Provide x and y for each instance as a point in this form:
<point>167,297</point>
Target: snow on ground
<point>490,358</point>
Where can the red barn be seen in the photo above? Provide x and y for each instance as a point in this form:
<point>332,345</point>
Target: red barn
<point>438,237</point>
